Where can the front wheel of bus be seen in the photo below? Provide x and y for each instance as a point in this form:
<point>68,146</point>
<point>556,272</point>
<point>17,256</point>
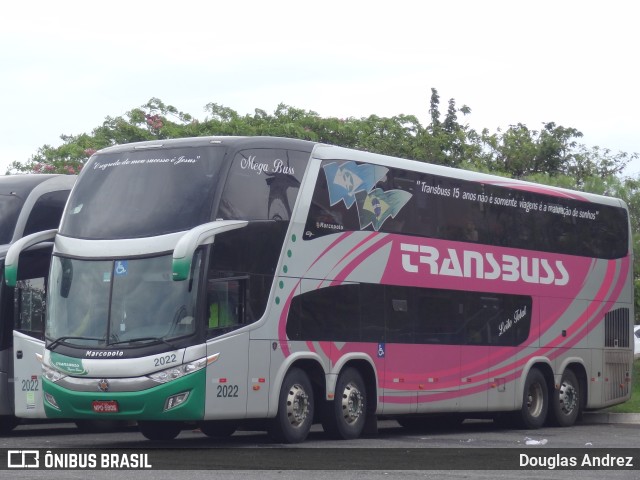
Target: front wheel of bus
<point>345,415</point>
<point>160,431</point>
<point>218,428</point>
<point>565,401</point>
<point>535,404</point>
<point>295,409</point>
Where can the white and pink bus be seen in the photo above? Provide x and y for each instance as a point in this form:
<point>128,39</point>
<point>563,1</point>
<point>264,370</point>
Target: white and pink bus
<point>276,282</point>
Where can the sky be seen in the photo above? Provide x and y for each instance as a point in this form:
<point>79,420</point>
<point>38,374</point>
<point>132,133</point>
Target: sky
<point>67,65</point>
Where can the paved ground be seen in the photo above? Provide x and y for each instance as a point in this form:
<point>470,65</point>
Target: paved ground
<point>605,417</point>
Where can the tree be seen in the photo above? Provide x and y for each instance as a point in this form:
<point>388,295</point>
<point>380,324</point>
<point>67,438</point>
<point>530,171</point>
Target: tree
<point>550,155</point>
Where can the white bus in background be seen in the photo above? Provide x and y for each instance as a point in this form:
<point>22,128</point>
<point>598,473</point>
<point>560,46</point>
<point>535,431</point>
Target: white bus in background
<point>28,204</point>
<point>275,282</point>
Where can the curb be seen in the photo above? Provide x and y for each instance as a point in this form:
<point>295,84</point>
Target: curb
<point>590,418</point>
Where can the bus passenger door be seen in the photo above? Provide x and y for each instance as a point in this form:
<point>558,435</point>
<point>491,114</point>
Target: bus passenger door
<point>28,335</point>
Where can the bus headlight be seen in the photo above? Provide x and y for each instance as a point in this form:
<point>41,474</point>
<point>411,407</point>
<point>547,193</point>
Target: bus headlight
<point>173,373</point>
<point>52,374</point>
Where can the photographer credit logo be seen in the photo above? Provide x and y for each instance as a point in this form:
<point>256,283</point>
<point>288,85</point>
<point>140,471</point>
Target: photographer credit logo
<point>23,459</point>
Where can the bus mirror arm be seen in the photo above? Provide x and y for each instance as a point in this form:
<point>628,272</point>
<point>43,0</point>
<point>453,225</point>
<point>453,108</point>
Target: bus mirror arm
<point>201,235</point>
<point>13,254</point>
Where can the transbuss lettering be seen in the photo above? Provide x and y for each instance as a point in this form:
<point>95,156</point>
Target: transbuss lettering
<point>484,266</point>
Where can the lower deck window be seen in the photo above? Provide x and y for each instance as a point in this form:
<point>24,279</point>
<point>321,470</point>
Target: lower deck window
<point>393,314</point>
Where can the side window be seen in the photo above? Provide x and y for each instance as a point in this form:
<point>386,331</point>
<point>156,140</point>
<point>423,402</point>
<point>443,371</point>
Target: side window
<point>263,184</point>
<point>401,314</point>
<point>409,315</point>
<point>225,303</point>
<point>30,292</point>
<point>46,212</point>
<point>241,268</point>
<point>359,196</point>
<point>30,306</point>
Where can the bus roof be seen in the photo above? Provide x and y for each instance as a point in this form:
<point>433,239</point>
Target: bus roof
<point>242,142</point>
<point>330,152</point>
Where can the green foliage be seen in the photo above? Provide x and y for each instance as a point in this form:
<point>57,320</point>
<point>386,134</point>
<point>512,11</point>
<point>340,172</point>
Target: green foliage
<point>551,155</point>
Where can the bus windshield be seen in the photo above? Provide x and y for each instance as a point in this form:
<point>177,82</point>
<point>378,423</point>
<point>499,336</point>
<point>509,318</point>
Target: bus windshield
<point>102,303</point>
<point>143,193</point>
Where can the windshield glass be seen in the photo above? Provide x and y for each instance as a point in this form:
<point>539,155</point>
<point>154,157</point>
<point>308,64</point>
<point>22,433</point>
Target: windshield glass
<point>10,206</point>
<point>101,303</point>
<point>143,193</point>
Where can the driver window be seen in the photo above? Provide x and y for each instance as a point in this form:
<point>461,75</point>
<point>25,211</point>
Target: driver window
<point>226,299</point>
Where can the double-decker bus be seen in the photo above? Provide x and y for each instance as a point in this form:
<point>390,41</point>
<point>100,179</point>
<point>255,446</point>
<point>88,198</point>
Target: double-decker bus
<point>28,204</point>
<point>277,282</point>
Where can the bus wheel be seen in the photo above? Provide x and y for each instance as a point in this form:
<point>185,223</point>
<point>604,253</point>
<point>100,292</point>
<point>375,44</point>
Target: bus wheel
<point>535,400</point>
<point>565,402</point>
<point>218,428</point>
<point>295,409</point>
<point>345,415</point>
<point>8,423</point>
<point>159,431</point>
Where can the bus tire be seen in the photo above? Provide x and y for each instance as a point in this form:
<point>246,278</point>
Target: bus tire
<point>344,417</point>
<point>160,431</point>
<point>566,400</point>
<point>535,400</point>
<point>295,409</point>
<point>218,428</point>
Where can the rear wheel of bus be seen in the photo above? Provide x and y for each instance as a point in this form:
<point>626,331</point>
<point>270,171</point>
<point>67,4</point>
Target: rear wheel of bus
<point>565,401</point>
<point>344,417</point>
<point>295,409</point>
<point>535,401</point>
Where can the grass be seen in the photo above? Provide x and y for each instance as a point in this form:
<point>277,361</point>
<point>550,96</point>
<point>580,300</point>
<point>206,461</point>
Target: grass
<point>633,404</point>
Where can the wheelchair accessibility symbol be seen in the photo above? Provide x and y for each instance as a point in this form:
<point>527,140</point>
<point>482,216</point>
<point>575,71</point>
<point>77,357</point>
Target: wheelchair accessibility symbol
<point>121,267</point>
<point>381,350</point>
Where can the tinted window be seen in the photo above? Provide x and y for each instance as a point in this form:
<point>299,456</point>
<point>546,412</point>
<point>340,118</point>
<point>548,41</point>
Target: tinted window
<point>374,313</point>
<point>10,206</point>
<point>263,184</point>
<point>22,307</point>
<point>143,193</point>
<point>240,274</point>
<point>46,212</point>
<point>351,196</point>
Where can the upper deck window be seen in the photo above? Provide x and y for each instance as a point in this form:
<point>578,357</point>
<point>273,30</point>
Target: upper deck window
<point>263,184</point>
<point>143,193</point>
<point>352,196</point>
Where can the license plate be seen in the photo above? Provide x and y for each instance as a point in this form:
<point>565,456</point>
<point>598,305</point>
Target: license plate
<point>105,406</point>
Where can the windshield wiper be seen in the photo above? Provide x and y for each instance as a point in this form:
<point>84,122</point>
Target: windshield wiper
<point>145,339</point>
<point>61,340</point>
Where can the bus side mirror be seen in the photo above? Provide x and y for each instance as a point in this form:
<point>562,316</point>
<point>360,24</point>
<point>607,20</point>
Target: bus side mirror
<point>13,254</point>
<point>201,235</point>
